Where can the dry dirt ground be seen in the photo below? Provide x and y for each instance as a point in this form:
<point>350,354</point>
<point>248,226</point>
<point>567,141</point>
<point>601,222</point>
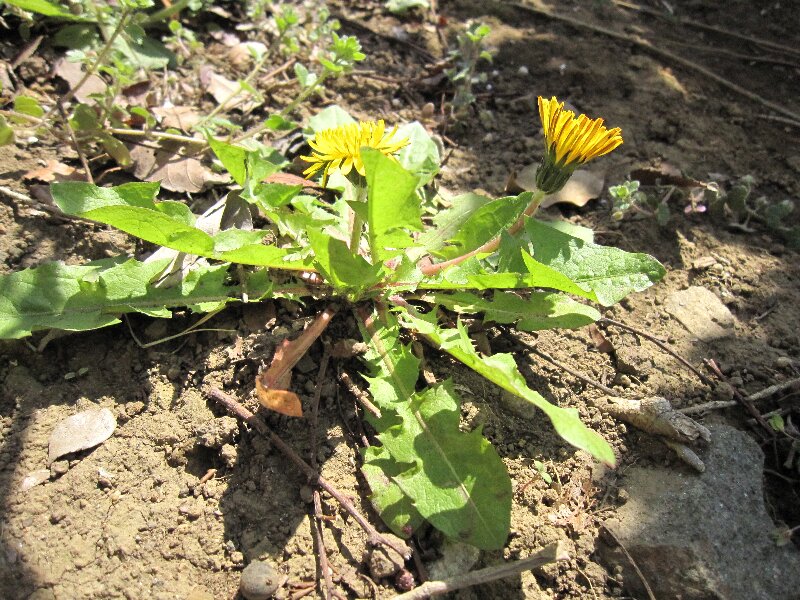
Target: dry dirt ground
<point>136,518</point>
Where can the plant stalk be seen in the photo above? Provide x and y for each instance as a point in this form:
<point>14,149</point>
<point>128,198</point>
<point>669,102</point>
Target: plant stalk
<point>430,269</point>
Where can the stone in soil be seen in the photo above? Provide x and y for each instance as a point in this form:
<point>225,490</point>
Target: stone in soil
<point>703,536</point>
<point>701,313</point>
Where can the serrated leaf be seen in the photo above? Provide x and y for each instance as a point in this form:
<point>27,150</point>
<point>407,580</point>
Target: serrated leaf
<point>85,297</point>
<point>608,272</point>
<point>342,269</point>
<point>446,223</point>
<point>392,206</point>
<point>455,479</point>
<point>130,208</point>
<point>541,310</point>
<point>502,370</point>
<point>485,223</point>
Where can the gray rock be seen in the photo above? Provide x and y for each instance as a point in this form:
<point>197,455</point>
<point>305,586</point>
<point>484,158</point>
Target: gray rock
<point>701,313</point>
<point>703,536</point>
<point>259,581</point>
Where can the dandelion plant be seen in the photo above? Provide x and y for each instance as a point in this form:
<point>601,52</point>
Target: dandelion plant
<point>363,245</point>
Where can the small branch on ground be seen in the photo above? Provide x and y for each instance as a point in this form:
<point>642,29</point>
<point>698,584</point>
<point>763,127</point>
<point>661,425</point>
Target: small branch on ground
<point>359,395</point>
<point>550,554</point>
<point>741,399</point>
<point>661,345</point>
<point>375,537</point>
<point>324,565</point>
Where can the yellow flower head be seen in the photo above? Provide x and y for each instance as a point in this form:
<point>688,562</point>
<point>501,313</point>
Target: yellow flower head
<point>340,148</point>
<point>570,142</point>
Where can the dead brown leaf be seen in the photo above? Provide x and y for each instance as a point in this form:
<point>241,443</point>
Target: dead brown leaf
<point>177,173</point>
<point>599,340</point>
<point>226,90</point>
<point>72,73</point>
<point>289,179</point>
<point>581,187</point>
<point>178,117</point>
<point>665,174</point>
<point>54,170</point>
<point>281,401</point>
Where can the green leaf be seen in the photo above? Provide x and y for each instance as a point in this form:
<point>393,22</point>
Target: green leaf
<point>608,272</point>
<point>502,370</point>
<point>46,8</point>
<point>421,156</point>
<point>455,479</point>
<point>394,507</point>
<point>232,158</point>
<point>28,106</point>
<point>328,118</point>
<point>6,133</point>
<point>80,298</point>
<point>130,208</point>
<point>393,208</point>
<point>542,310</point>
<point>447,222</point>
<point>474,274</point>
<point>279,123</point>
<point>485,223</point>
<point>345,271</point>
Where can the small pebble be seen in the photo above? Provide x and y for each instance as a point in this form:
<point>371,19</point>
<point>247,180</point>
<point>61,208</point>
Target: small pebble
<point>259,581</point>
<point>523,70</point>
<point>783,361</point>
<point>58,468</point>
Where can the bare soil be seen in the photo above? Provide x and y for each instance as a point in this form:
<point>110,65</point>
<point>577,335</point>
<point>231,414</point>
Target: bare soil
<point>132,519</point>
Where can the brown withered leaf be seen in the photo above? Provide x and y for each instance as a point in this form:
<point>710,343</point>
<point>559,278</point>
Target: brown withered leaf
<point>582,186</point>
<point>281,401</point>
<point>226,90</point>
<point>178,117</point>
<point>54,170</point>
<point>599,340</point>
<point>177,173</point>
<point>72,73</point>
<point>665,174</point>
<point>289,179</point>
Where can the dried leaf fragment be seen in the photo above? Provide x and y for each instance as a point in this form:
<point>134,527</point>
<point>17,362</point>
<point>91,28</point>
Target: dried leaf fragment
<point>81,431</point>
<point>655,415</point>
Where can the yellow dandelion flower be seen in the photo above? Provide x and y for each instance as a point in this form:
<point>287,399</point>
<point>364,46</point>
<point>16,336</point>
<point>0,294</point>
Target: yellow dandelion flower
<point>340,148</point>
<point>570,142</point>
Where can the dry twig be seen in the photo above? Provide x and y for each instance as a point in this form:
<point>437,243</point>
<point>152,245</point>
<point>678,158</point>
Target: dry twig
<point>375,537</point>
<point>550,554</point>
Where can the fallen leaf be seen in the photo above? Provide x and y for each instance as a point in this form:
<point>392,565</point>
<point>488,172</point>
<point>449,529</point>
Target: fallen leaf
<point>54,170</point>
<point>600,341</point>
<point>241,55</point>
<point>281,401</point>
<point>226,90</point>
<point>665,174</point>
<point>581,187</point>
<point>178,117</point>
<point>177,173</point>
<point>272,384</point>
<point>289,179</point>
<point>34,478</point>
<point>81,431</point>
<point>72,73</point>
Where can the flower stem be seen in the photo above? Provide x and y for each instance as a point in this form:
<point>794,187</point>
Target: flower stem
<point>490,246</point>
<point>358,223</point>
